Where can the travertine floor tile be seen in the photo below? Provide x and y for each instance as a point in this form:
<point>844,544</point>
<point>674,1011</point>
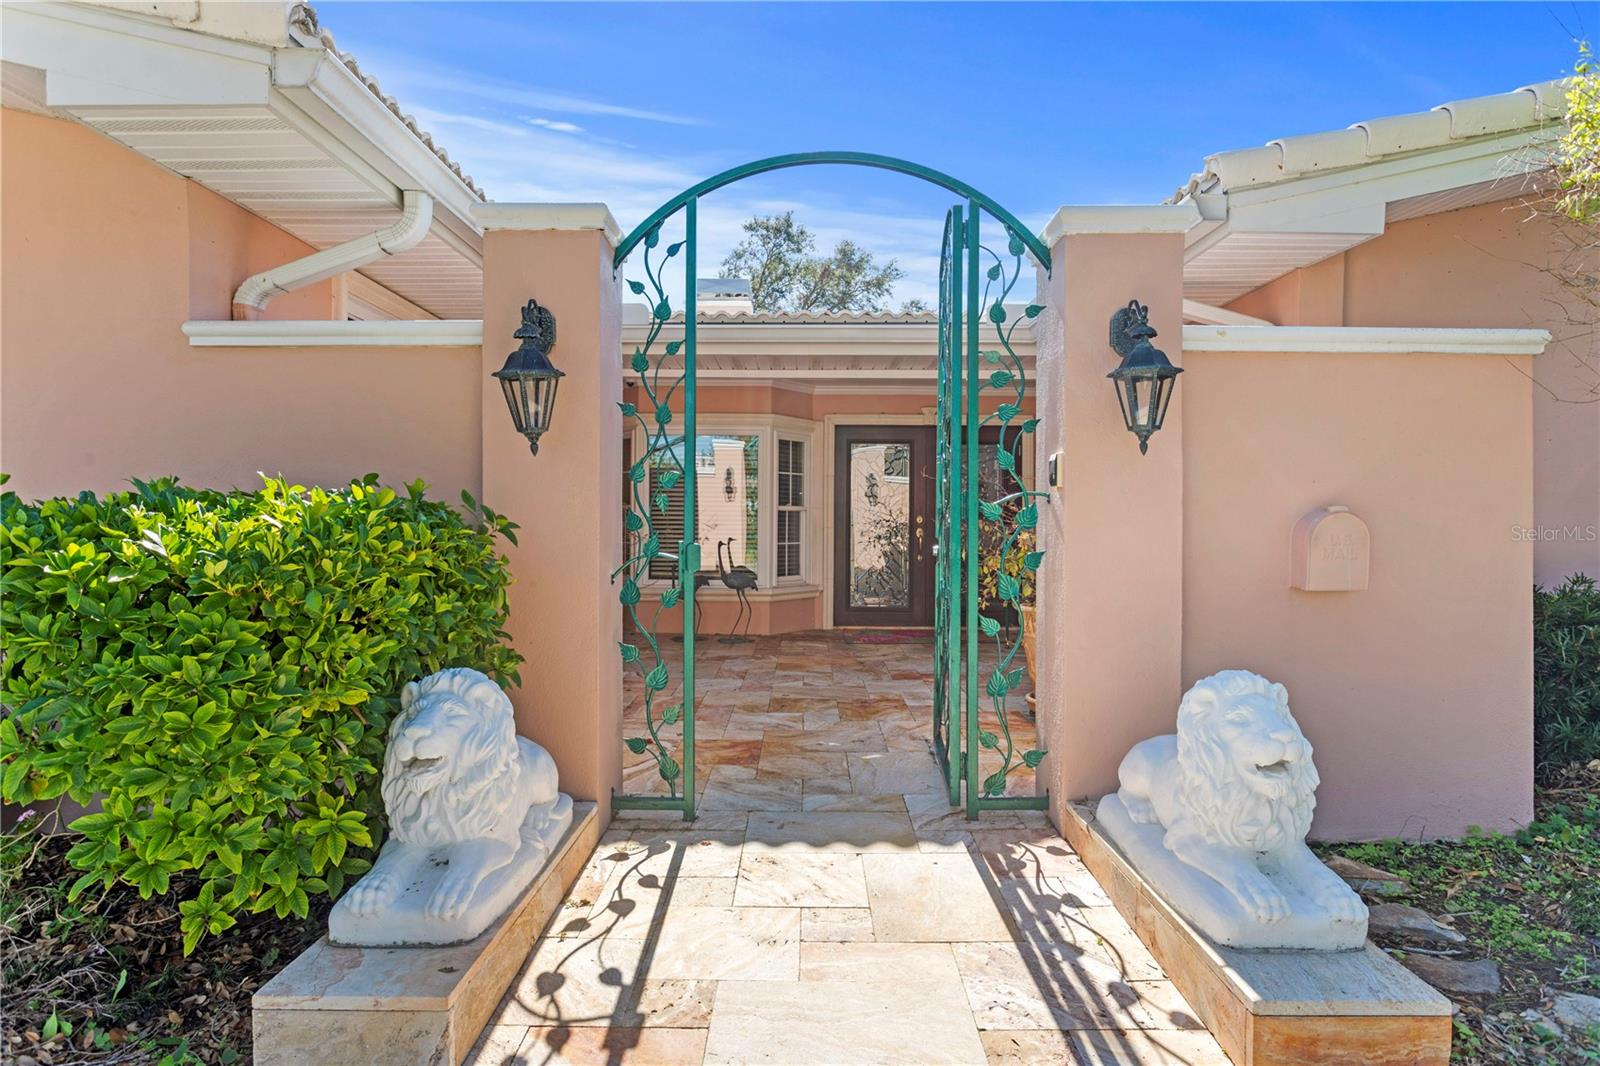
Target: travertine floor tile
<point>497,1046</point>
<point>1029,1047</point>
<point>729,943</point>
<point>864,831</point>
<point>835,925</point>
<point>801,879</point>
<point>849,801</point>
<point>894,772</point>
<point>560,1046</point>
<point>596,982</point>
<point>834,1023</point>
<point>931,899</point>
<point>1099,1047</point>
<point>910,964</point>
<point>1027,987</point>
<point>743,788</point>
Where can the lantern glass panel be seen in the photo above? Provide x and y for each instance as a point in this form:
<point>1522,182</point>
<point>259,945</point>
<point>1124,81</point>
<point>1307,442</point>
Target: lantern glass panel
<point>509,387</point>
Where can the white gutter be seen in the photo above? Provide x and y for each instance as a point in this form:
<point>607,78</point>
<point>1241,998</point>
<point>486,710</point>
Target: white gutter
<point>405,232</point>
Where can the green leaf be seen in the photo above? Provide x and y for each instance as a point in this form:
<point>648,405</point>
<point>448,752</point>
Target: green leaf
<point>663,311</point>
<point>656,679</point>
<point>631,521</point>
<point>1005,459</point>
<point>989,512</point>
<point>1006,588</point>
<point>1028,517</point>
<point>630,652</point>
<point>639,363</point>
<point>673,347</point>
<point>1015,245</point>
<point>988,740</point>
<point>668,767</point>
<point>994,274</point>
<point>663,415</point>
<point>995,784</point>
<point>637,471</point>
<point>989,626</point>
<point>1006,412</point>
<point>1030,425</point>
<point>1000,379</point>
<point>637,287</point>
<point>1031,759</point>
<point>1031,560</point>
<point>1033,310</point>
<point>637,745</point>
<point>628,410</point>
<point>996,686</point>
<point>628,596</point>
<point>669,478</point>
<point>671,715</point>
<point>669,598</point>
<point>997,313</point>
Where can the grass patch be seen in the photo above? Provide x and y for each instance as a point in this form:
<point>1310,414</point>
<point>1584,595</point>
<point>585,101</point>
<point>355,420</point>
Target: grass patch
<point>1531,902</point>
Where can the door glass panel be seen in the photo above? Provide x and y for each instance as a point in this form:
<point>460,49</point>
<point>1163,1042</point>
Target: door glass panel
<point>880,525</point>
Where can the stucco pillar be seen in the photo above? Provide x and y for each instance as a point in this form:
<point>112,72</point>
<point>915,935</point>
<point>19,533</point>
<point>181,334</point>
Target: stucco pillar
<point>565,619</point>
<point>1110,589</point>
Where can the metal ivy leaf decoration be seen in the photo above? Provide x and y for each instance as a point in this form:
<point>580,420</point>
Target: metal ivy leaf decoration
<point>1014,509</point>
<point>666,454</point>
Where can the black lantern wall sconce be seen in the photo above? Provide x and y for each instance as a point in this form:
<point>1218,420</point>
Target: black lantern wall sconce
<point>529,379</point>
<point>1146,379</point>
<point>728,490</point>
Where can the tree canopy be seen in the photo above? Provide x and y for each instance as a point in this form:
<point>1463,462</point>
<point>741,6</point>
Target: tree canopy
<point>779,257</point>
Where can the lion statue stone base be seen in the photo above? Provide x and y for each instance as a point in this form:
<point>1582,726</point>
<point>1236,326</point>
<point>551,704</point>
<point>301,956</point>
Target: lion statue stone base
<point>1215,819</point>
<point>474,814</point>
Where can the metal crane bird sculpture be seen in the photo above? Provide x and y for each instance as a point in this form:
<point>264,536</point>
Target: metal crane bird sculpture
<point>741,579</point>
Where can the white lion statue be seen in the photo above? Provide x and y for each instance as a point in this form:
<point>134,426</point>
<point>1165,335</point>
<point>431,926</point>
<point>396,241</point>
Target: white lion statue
<point>1230,799</point>
<point>474,812</point>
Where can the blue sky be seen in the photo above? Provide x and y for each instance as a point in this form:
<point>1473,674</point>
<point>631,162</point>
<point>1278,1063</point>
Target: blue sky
<point>1037,105</point>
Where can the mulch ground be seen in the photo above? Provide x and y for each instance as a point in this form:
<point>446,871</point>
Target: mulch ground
<point>104,979</point>
<point>1529,901</point>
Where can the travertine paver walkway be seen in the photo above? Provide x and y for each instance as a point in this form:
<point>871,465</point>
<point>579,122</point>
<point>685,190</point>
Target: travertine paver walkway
<point>828,907</point>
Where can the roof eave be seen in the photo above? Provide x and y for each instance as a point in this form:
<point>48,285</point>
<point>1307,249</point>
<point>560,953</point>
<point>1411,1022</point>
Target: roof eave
<point>331,103</point>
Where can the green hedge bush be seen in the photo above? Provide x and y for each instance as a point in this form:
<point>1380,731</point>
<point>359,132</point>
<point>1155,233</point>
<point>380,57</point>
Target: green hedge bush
<point>1566,673</point>
<point>220,668</point>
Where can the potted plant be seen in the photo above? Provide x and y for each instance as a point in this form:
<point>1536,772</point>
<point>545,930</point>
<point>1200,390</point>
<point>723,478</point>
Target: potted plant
<point>989,569</point>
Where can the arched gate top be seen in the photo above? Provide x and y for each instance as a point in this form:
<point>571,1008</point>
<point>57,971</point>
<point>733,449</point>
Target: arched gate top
<point>858,159</point>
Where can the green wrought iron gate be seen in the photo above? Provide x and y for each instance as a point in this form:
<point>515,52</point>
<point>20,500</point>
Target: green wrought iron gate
<point>983,512</point>
<point>980,510</point>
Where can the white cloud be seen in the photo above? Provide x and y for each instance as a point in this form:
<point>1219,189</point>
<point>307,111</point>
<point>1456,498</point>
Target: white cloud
<point>550,124</point>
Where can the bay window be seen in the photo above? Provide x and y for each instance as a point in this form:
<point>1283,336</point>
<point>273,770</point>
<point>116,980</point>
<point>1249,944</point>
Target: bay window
<point>751,494</point>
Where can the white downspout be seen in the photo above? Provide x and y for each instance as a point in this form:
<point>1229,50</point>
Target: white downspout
<point>406,232</point>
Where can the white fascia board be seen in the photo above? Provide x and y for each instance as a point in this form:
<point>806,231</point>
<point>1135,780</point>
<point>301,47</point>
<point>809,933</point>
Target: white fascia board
<point>547,216</point>
<point>419,333</point>
<point>1365,340</point>
<point>1354,200</point>
<point>1073,219</point>
<point>323,90</point>
<point>94,57</point>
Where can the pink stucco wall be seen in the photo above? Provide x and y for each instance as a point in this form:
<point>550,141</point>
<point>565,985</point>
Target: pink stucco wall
<point>1483,266</point>
<point>1417,692</point>
<point>104,255</point>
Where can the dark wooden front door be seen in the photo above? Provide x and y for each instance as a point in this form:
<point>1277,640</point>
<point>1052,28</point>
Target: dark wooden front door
<point>883,530</point>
